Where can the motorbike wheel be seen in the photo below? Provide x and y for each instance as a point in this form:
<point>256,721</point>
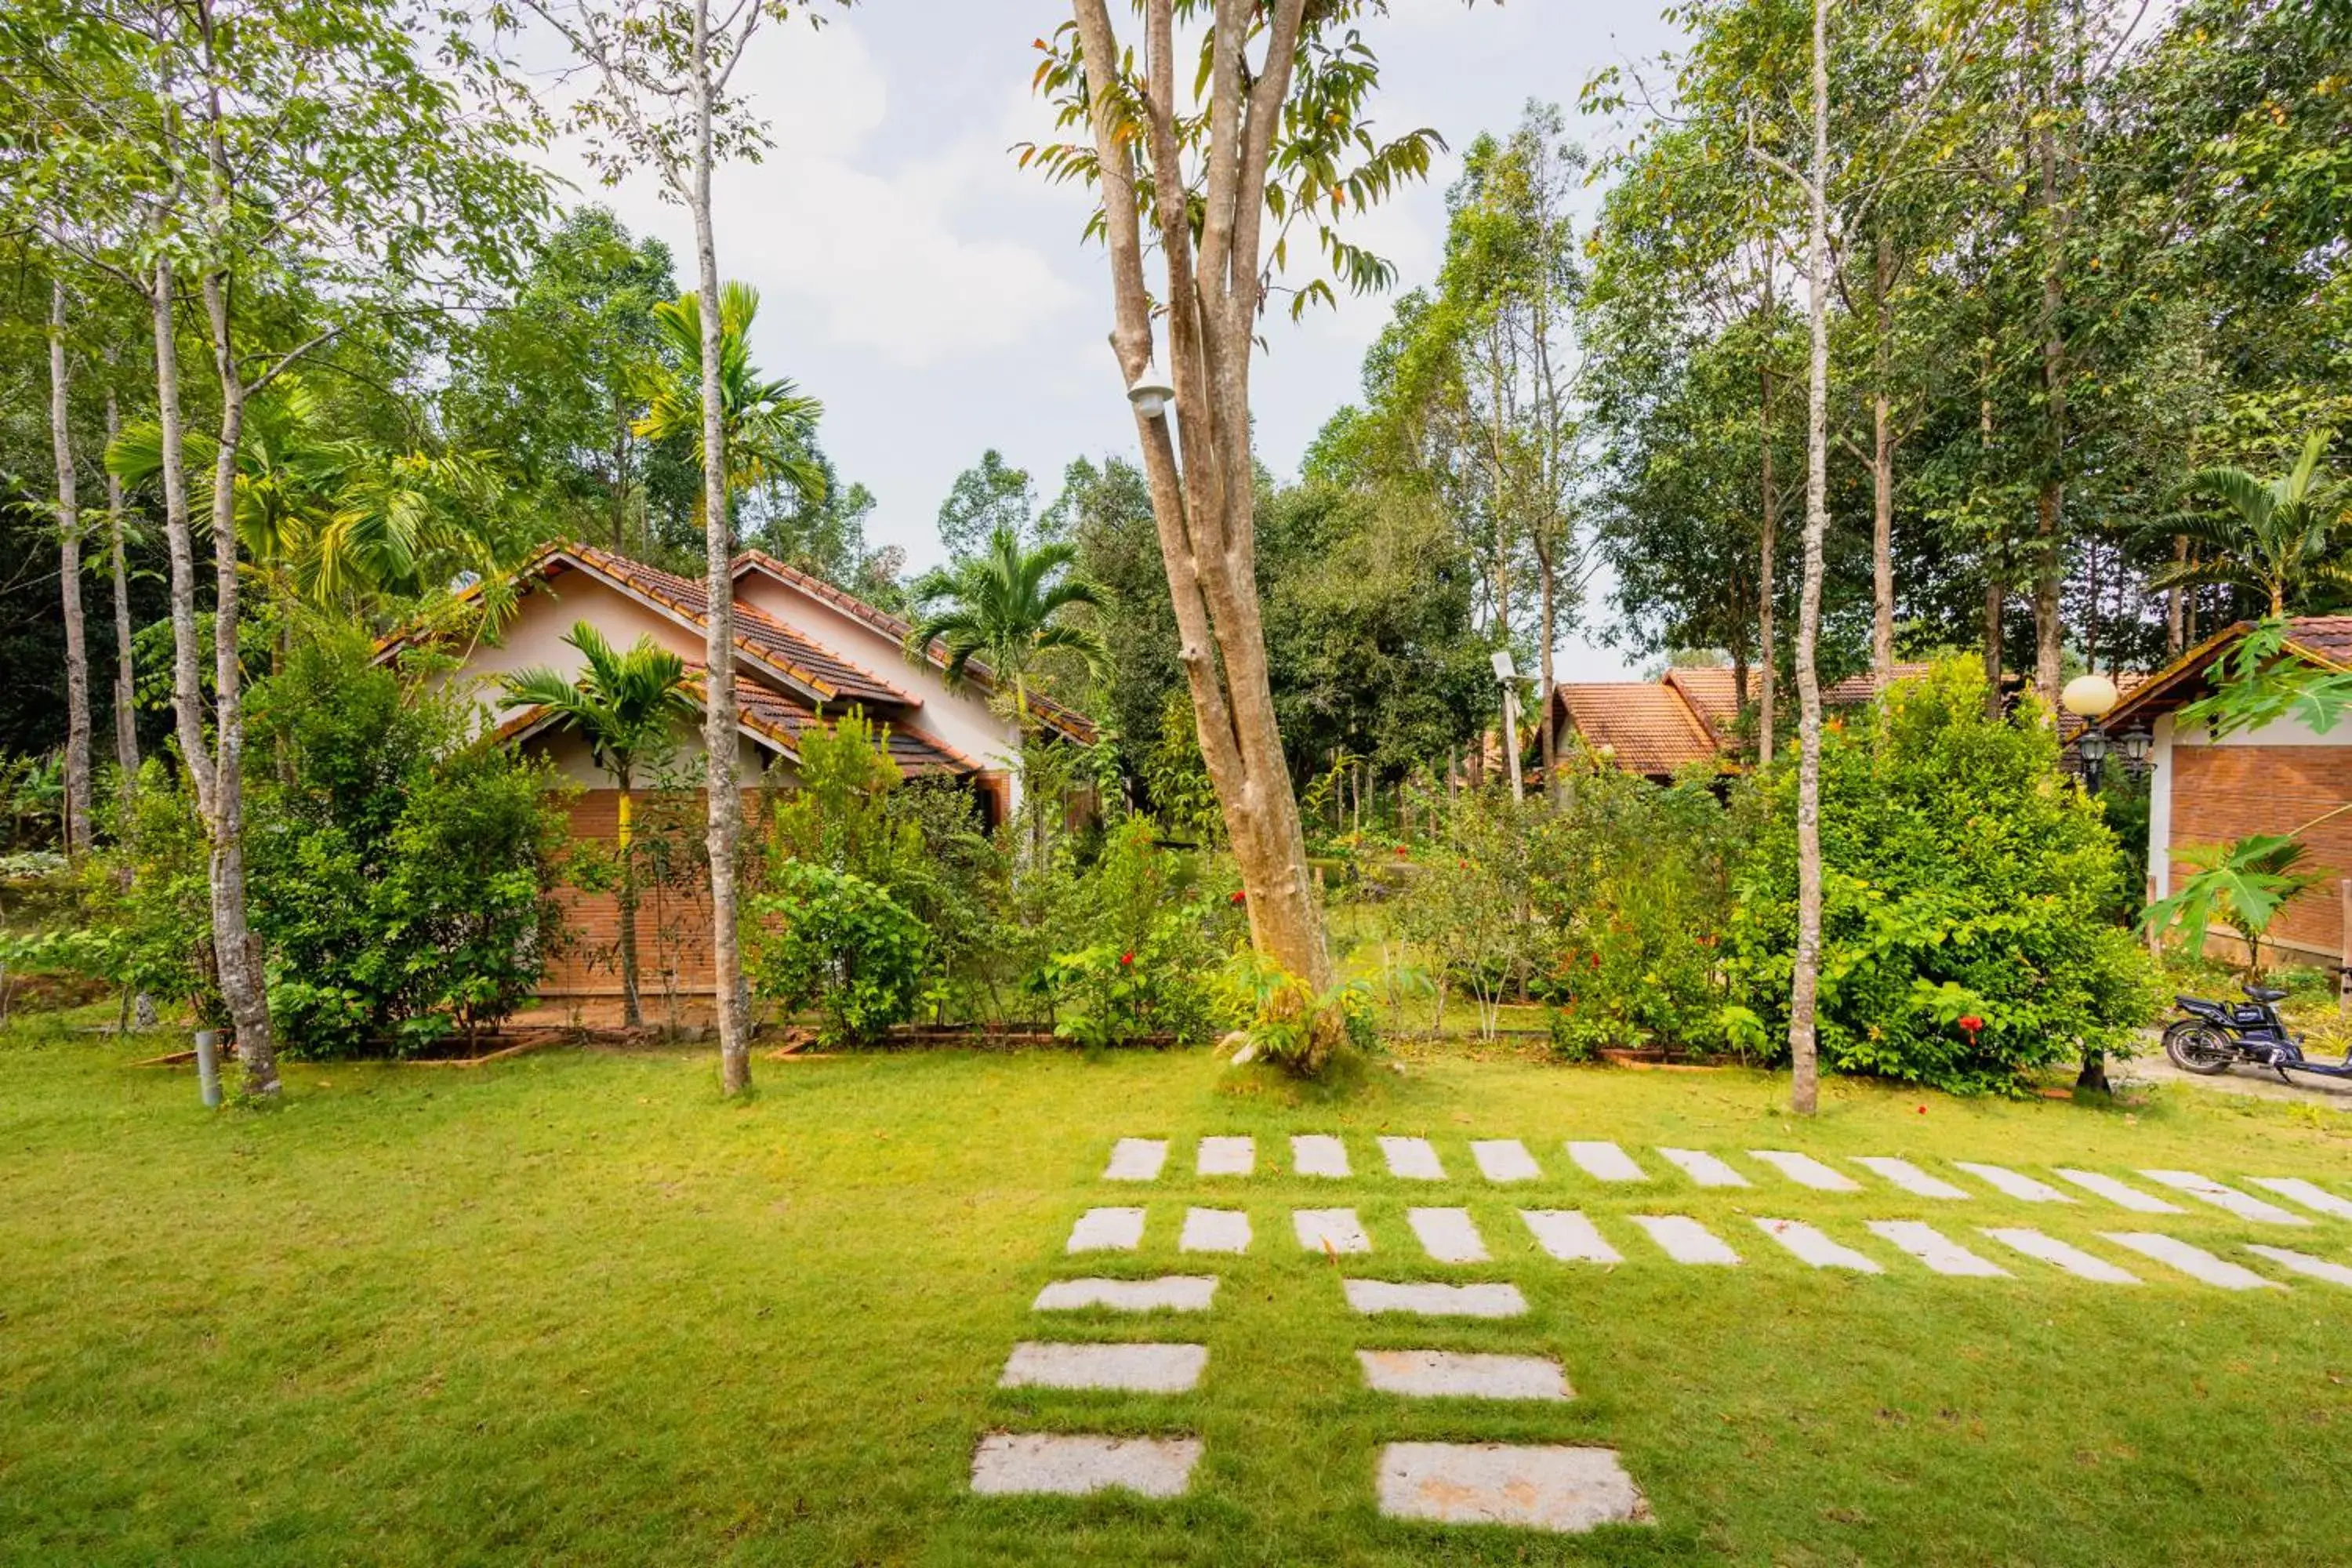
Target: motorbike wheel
<point>2200,1048</point>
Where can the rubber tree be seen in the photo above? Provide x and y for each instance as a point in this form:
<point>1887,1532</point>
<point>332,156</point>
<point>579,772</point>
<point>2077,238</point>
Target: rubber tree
<point>1264,152</point>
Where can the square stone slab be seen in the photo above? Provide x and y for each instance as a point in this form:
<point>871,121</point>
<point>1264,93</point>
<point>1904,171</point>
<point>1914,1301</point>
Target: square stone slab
<point>1318,1154</point>
<point>1703,1168</point>
<point>2310,1195</point>
<point>1010,1463</point>
<point>1448,1235</point>
<point>1815,1248</point>
<point>1330,1230</point>
<point>1561,1490</point>
<point>1108,1230</point>
<point>1135,1369</point>
<point>1137,1160</point>
<point>1226,1157</point>
<point>1605,1161</point>
<point>2119,1194</point>
<point>1806,1171</point>
<point>1567,1234</point>
<point>1412,1158</point>
<point>1686,1240</point>
<point>2245,1205</point>
<point>1935,1249</point>
<point>2193,1261</point>
<point>1460,1374</point>
<point>1214,1230</point>
<point>2024,1188</point>
<point>2050,1250</point>
<point>1910,1177</point>
<point>1373,1297</point>
<point>2304,1263</point>
<point>1170,1293</point>
<point>1505,1160</point>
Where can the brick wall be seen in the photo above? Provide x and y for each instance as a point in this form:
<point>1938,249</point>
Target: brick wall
<point>673,912</point>
<point>2221,792</point>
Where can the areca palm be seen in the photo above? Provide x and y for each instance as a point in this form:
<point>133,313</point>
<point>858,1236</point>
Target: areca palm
<point>2276,537</point>
<point>1004,608</point>
<point>626,706</point>
<point>766,423</point>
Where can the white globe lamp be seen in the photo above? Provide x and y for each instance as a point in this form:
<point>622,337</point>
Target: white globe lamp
<point>1151,392</point>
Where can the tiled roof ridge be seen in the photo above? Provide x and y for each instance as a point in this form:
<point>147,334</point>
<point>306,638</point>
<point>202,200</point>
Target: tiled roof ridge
<point>748,715</point>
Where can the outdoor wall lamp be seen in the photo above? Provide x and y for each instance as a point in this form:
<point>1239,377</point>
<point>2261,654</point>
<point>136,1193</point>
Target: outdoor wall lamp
<point>1151,392</point>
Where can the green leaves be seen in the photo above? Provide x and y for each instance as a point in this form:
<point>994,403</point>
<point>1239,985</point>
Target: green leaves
<point>627,705</point>
<point>2244,883</point>
<point>834,941</point>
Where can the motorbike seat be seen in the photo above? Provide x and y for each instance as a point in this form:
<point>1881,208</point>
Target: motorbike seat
<point>2264,994</point>
<point>2197,1005</point>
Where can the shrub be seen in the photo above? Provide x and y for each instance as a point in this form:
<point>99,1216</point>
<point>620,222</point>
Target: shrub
<point>1963,942</point>
<point>1289,1024</point>
<point>834,941</point>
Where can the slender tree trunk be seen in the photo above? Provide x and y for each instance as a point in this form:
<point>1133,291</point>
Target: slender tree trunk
<point>2176,622</point>
<point>1881,478</point>
<point>78,837</point>
<point>633,1011</point>
<point>2049,550</point>
<point>1198,462</point>
<point>620,475</point>
<point>1739,673</point>
<point>1551,612</point>
<point>1804,1088</point>
<point>718,646</point>
<point>1767,661</point>
<point>126,692</point>
<point>244,986</point>
<point>1995,600</point>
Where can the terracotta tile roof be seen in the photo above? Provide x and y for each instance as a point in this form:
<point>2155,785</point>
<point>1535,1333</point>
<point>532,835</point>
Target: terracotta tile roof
<point>1712,693</point>
<point>1856,689</point>
<point>2326,640</point>
<point>825,673</point>
<point>1654,730</point>
<point>782,720</point>
<point>1068,721</point>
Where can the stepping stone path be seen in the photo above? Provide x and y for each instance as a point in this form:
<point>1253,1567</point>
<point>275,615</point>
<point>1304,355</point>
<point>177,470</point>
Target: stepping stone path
<point>2309,1194</point>
<point>1567,1234</point>
<point>1017,1462</point>
<point>1703,1168</point>
<point>1554,1489</point>
<point>1910,1177</point>
<point>1108,1230</point>
<point>1412,1158</point>
<point>1686,1240</point>
<point>1448,1235</point>
<point>1226,1157</point>
<point>1505,1160</point>
<point>2073,1259</point>
<point>2001,1178</point>
<point>1330,1230</point>
<point>1932,1247</point>
<point>1318,1154</point>
<point>2193,1261</point>
<point>2119,1194</point>
<point>1134,1369</point>
<point>1806,1171</point>
<point>1606,1162</point>
<point>2304,1263</point>
<point>2245,1205</point>
<point>1373,1297</point>
<point>1214,1230</point>
<point>1460,1374</point>
<point>1816,1248</point>
<point>1137,1160</point>
<point>1170,1293</point>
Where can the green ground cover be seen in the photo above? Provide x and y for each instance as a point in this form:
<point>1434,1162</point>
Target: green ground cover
<point>572,1307</point>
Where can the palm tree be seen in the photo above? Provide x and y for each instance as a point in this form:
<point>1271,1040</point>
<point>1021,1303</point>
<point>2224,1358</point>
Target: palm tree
<point>1003,608</point>
<point>2276,538</point>
<point>624,705</point>
<point>767,423</point>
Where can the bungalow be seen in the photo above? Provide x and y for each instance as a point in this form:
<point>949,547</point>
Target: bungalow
<point>805,653</point>
<point>1656,727</point>
<point>2274,779</point>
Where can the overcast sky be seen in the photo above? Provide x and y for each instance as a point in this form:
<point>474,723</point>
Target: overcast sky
<point>940,300</point>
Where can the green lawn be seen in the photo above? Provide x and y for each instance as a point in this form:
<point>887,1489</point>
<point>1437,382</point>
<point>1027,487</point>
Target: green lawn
<point>572,1307</point>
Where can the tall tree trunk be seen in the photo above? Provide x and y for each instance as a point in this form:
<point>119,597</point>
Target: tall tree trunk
<point>1203,506</point>
<point>719,741</point>
<point>1882,477</point>
<point>620,474</point>
<point>126,691</point>
<point>2050,549</point>
<point>1804,1088</point>
<point>1550,611</point>
<point>244,986</point>
<point>78,837</point>
<point>1768,653</point>
<point>2176,622</point>
<point>1995,600</point>
<point>633,1011</point>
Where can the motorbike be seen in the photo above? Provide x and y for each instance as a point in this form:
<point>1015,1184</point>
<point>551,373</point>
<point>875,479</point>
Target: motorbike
<point>2215,1037</point>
